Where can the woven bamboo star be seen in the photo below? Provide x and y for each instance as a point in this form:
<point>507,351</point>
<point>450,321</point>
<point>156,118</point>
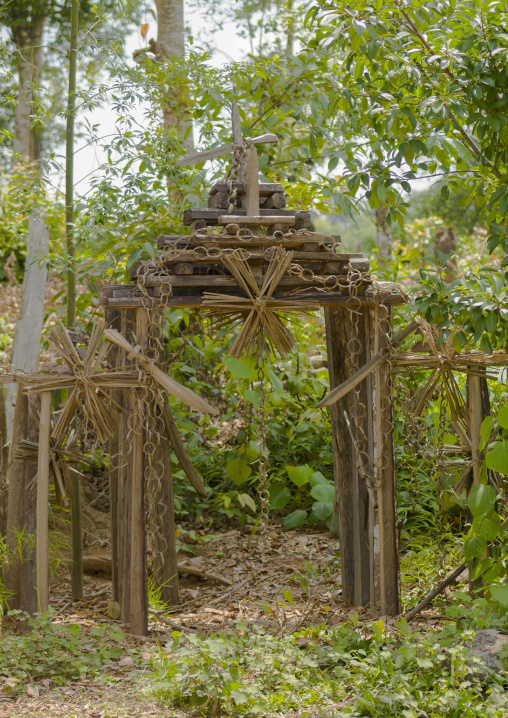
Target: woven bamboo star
<point>259,309</point>
<point>88,381</point>
<point>64,456</point>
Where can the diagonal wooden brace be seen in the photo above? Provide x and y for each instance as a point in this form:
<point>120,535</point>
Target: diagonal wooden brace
<point>333,396</point>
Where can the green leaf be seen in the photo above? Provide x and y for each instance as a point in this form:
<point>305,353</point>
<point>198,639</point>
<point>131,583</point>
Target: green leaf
<point>280,496</point>
<point>500,594</point>
<point>238,368</point>
<point>238,470</point>
<point>480,568</point>
<point>247,500</point>
<point>474,547</point>
<point>321,510</point>
<point>323,493</point>
<point>497,457</point>
<point>276,382</point>
<point>485,430</point>
<point>502,417</point>
<point>288,596</point>
<point>318,478</point>
<point>487,526</point>
<point>295,519</point>
<point>481,500</point>
<point>252,396</point>
<point>299,475</point>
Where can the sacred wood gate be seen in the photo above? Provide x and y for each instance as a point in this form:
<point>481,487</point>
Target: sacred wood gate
<point>250,260</point>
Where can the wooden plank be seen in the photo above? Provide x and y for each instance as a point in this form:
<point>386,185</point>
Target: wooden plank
<point>42,538</point>
<point>181,452</point>
<point>362,428</point>
<point>165,538</point>
<point>384,470</point>
<point>209,282</point>
<point>319,258</point>
<point>194,301</point>
<point>265,188</point>
<point>223,240</point>
<point>199,157</point>
<point>77,538</point>
<point>28,579</point>
<point>475,405</point>
<point>255,219</point>
<point>337,337</point>
<point>356,378</point>
<point>15,503</point>
<point>139,601</point>
<point>125,473</point>
<point>212,215</point>
<point>113,320</point>
<point>251,188</point>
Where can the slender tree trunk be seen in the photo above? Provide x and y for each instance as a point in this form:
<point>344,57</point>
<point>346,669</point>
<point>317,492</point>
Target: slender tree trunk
<point>28,41</point>
<point>384,235</point>
<point>171,43</point>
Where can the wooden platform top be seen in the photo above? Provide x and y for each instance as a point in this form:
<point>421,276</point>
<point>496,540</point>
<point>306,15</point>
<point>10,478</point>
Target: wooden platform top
<point>131,296</point>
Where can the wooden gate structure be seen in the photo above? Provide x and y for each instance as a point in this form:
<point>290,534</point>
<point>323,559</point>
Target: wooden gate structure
<point>248,257</point>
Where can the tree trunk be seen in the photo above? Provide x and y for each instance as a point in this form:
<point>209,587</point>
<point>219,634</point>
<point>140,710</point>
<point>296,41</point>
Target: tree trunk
<point>171,43</point>
<point>384,235</point>
<point>27,337</point>
<point>28,41</point>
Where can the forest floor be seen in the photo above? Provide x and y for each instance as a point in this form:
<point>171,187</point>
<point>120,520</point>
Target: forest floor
<point>243,578</point>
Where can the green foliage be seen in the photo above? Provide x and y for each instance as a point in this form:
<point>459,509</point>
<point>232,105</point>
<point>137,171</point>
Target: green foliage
<point>428,98</point>
<point>367,673</point>
<point>59,652</point>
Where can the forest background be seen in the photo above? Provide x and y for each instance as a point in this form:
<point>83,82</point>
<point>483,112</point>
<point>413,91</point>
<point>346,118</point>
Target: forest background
<point>392,123</point>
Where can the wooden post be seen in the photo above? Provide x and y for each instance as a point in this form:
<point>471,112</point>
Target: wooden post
<point>479,407</point>
<point>77,539</point>
<point>114,321</point>
<point>125,474</point>
<point>42,540</point>
<point>475,405</point>
<point>385,564</point>
<point>28,580</point>
<point>350,490</point>
<point>165,537</point>
<point>138,598</point>
<point>362,497</point>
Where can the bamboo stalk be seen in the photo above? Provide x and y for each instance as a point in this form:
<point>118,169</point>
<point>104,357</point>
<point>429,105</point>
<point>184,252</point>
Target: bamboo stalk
<point>69,166</point>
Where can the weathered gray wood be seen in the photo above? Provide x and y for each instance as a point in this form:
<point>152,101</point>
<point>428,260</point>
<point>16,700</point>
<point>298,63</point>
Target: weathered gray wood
<point>165,537</point>
<point>114,321</point>
<point>252,186</point>
<point>337,336</point>
<point>139,601</point>
<point>27,336</point>
<point>181,452</point>
<point>4,464</point>
<point>199,157</point>
<point>42,538</point>
<point>236,124</point>
<point>211,216</point>
<point>220,200</point>
<point>185,298</point>
<point>265,188</point>
<point>77,538</point>
<point>257,219</point>
<point>28,579</point>
<point>362,429</point>
<point>387,582</point>
<point>277,200</point>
